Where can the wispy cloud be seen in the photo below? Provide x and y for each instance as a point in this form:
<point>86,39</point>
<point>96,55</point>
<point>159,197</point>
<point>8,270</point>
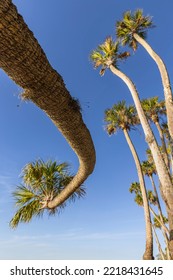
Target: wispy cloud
<point>42,240</point>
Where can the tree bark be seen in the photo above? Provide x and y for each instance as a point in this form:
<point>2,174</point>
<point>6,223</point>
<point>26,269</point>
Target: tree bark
<point>165,80</point>
<point>148,255</point>
<point>24,61</point>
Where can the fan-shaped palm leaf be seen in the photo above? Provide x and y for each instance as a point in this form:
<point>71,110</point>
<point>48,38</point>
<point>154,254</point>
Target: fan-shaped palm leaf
<point>42,182</point>
<point>133,23</point>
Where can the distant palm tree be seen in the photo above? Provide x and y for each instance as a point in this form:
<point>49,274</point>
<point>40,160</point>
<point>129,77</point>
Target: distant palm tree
<point>25,62</point>
<point>107,56</point>
<point>154,110</point>
<point>149,170</point>
<point>133,30</point>
<point>125,118</point>
<point>135,188</point>
<point>42,182</point>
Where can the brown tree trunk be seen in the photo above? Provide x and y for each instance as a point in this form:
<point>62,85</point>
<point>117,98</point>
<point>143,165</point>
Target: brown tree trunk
<point>24,61</point>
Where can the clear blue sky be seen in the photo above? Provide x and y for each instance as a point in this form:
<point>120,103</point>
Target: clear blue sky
<point>106,224</point>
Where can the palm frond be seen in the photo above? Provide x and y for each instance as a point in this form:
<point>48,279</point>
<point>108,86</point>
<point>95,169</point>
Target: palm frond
<point>42,182</point>
<point>130,24</point>
<point>25,213</point>
<point>23,195</point>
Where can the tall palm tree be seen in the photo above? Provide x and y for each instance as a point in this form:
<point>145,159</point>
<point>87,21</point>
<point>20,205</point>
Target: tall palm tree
<point>107,56</point>
<point>133,30</point>
<point>125,118</point>
<point>42,181</point>
<point>24,61</point>
<point>154,109</point>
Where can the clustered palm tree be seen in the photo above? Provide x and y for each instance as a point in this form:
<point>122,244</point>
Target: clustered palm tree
<point>47,185</point>
<point>125,118</point>
<point>42,182</point>
<point>131,31</point>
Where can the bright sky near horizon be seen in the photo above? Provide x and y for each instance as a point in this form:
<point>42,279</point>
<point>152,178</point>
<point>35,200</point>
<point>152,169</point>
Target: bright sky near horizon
<point>106,224</point>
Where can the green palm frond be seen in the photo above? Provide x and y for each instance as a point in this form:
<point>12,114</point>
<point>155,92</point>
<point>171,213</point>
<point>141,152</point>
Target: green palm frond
<point>42,182</point>
<point>120,116</point>
<point>158,224</point>
<point>23,195</point>
<point>26,213</point>
<point>152,198</point>
<point>130,24</point>
<point>135,188</point>
<point>153,108</point>
<point>148,168</point>
<point>139,200</point>
<point>107,54</point>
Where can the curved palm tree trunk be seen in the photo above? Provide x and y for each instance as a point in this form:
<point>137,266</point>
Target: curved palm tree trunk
<point>162,170</point>
<point>165,81</point>
<point>24,61</point>
<point>148,255</point>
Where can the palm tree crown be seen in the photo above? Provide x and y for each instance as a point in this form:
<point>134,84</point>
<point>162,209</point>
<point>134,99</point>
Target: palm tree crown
<point>153,108</point>
<point>121,117</point>
<point>42,181</point>
<point>133,23</point>
<point>148,168</point>
<point>107,54</point>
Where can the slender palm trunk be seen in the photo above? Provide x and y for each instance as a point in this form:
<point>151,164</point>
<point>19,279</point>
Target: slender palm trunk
<point>164,232</point>
<point>159,206</point>
<point>24,61</point>
<point>158,244</point>
<point>148,255</point>
<point>165,81</point>
<point>166,158</point>
<point>162,170</point>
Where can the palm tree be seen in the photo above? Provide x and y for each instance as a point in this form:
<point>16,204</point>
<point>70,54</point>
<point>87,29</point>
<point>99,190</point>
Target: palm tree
<point>24,61</point>
<point>135,188</point>
<point>133,30</point>
<point>42,182</point>
<point>107,56</point>
<point>124,117</point>
<point>154,110</point>
<point>149,170</point>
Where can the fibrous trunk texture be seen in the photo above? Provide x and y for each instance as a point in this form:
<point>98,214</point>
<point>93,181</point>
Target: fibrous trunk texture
<point>24,61</point>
